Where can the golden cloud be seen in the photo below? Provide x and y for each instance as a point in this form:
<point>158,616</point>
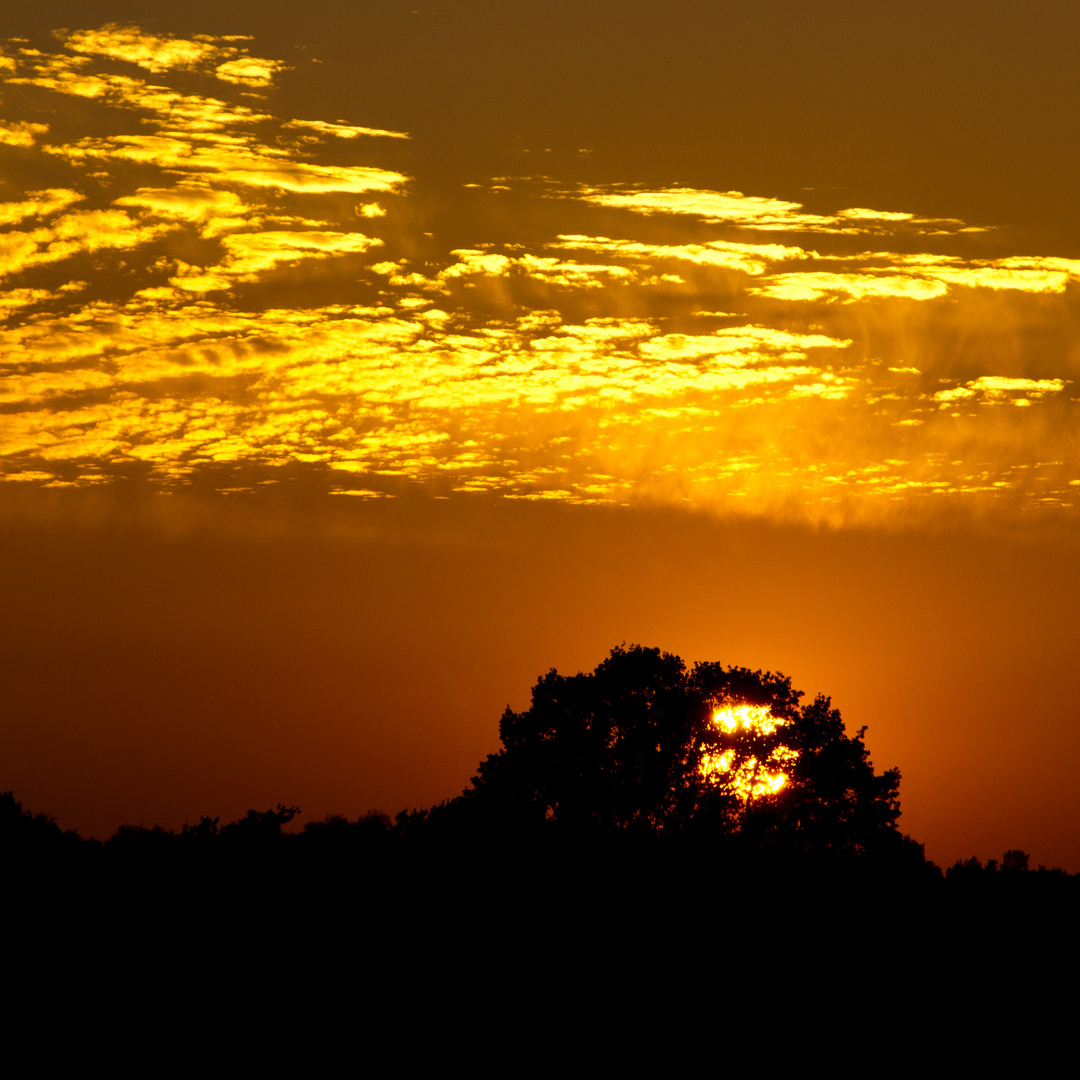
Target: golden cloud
<point>997,388</point>
<point>728,207</point>
<point>21,132</point>
<point>818,285</point>
<point>249,254</point>
<point>38,204</point>
<point>214,210</point>
<point>344,131</point>
<point>753,211</point>
<point>71,234</point>
<point>235,163</point>
<point>675,364</point>
<point>249,71</point>
<point>155,54</point>
<point>749,258</point>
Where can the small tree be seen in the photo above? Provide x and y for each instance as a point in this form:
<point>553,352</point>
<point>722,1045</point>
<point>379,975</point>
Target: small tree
<point>643,745</point>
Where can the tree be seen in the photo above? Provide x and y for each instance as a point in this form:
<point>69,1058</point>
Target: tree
<point>26,835</point>
<point>258,829</point>
<point>642,745</point>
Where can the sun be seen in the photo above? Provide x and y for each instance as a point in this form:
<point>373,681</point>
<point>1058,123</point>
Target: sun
<point>754,762</point>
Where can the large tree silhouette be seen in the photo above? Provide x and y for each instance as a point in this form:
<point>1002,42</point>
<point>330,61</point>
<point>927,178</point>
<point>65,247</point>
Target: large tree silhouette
<point>643,745</point>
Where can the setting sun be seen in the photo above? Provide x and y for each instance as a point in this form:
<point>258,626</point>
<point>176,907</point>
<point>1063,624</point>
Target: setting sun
<point>754,760</point>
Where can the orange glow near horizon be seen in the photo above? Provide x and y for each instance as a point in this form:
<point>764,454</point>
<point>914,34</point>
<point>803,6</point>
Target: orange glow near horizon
<point>750,775</point>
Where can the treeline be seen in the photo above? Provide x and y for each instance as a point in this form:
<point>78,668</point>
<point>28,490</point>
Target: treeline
<point>454,833</point>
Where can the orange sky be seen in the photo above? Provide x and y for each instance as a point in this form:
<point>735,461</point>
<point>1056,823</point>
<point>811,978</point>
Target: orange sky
<point>358,370</point>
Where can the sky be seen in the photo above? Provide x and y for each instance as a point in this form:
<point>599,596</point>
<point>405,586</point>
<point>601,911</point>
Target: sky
<point>358,366</point>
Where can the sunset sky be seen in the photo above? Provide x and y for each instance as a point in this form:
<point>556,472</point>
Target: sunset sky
<point>359,363</point>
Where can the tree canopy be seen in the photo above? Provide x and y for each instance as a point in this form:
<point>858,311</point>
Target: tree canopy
<point>644,745</point>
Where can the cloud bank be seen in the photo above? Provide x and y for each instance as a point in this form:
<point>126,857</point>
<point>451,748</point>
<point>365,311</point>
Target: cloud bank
<point>201,291</point>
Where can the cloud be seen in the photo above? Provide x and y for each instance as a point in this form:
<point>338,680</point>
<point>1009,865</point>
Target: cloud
<point>38,204</point>
<point>345,131</point>
<point>78,232</point>
<point>818,285</point>
<point>235,162</point>
<point>993,389</point>
<point>13,299</point>
<point>187,297</point>
<point>755,211</point>
<point>749,258</point>
<point>155,54</point>
<point>203,138</point>
<point>729,207</point>
<point>247,255</point>
<point>162,54</point>
<point>214,211</point>
<point>21,132</point>
<point>249,71</point>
